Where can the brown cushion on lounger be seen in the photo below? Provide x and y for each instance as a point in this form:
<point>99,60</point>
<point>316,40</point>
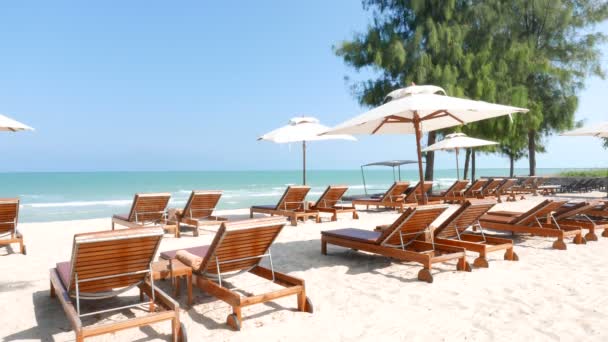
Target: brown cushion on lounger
<point>124,217</point>
<point>63,268</point>
<point>189,259</point>
<point>354,234</point>
<point>199,251</point>
<point>497,218</point>
<point>267,206</point>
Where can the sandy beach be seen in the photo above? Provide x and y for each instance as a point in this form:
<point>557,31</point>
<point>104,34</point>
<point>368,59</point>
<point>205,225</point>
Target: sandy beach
<point>547,295</point>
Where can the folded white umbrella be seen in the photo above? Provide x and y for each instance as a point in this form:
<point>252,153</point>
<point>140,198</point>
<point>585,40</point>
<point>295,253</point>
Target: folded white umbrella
<point>10,125</point>
<point>457,141</point>
<point>302,129</point>
<point>419,109</point>
<point>597,130</point>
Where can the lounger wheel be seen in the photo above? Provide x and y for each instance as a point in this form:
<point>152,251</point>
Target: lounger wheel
<point>560,244</point>
<point>183,337</point>
<point>309,308</point>
<point>481,262</point>
<point>590,236</point>
<point>515,256</point>
<point>467,267</point>
<point>233,322</point>
<point>580,240</point>
<point>605,233</point>
<point>425,275</point>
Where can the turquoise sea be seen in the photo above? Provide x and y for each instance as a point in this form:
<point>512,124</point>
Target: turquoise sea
<point>58,196</point>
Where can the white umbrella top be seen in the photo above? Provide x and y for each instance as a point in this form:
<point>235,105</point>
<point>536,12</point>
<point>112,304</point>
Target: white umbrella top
<point>8,124</point>
<point>597,130</point>
<point>301,129</point>
<point>458,140</point>
<point>423,103</point>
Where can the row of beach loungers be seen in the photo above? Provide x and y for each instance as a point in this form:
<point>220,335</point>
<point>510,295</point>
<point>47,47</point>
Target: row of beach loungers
<point>105,264</point>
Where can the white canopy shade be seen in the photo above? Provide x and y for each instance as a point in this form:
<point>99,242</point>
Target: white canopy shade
<point>456,141</point>
<point>419,109</point>
<point>10,125</point>
<point>302,129</point>
<point>597,130</point>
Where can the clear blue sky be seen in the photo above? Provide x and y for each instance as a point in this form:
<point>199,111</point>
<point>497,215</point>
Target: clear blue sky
<point>189,85</point>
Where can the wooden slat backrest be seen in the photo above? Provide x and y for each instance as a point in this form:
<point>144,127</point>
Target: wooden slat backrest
<point>475,187</point>
<point>112,253</point>
<point>332,195</point>
<point>293,198</point>
<point>414,226</point>
<point>395,191</point>
<point>540,211</point>
<point>414,194</point>
<point>201,203</point>
<point>492,186</point>
<point>456,188</point>
<point>149,207</point>
<point>239,245</point>
<point>465,216</point>
<point>9,214</point>
<point>506,185</point>
<point>577,209</point>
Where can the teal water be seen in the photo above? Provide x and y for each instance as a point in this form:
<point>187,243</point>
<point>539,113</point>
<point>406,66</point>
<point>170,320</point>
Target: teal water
<point>57,196</point>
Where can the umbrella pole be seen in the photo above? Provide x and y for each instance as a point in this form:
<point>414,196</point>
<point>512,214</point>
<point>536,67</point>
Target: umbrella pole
<point>457,168</point>
<point>416,121</point>
<point>304,162</point>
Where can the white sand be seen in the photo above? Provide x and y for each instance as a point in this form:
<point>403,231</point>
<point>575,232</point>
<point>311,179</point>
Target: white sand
<point>547,295</point>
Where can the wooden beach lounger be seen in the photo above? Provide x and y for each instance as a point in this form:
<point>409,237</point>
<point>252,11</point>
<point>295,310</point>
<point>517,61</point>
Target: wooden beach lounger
<point>490,188</point>
<point>9,216</point>
<point>577,215</point>
<point>198,211</point>
<point>473,191</point>
<point>505,189</point>
<point>392,198</point>
<point>239,247</point>
<point>413,194</point>
<point>291,205</point>
<point>403,240</point>
<point>331,202</point>
<point>536,221</point>
<point>452,194</point>
<point>106,264</point>
<point>453,232</point>
<point>147,210</point>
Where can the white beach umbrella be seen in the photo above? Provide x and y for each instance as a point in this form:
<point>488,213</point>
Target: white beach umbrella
<point>597,130</point>
<point>457,141</point>
<point>302,129</point>
<point>10,125</point>
<point>419,109</point>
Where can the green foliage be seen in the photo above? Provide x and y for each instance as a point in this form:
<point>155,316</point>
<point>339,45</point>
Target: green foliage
<point>605,144</point>
<point>585,173</point>
<point>528,53</point>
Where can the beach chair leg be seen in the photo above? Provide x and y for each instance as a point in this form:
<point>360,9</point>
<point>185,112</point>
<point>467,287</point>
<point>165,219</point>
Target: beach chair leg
<point>323,247</point>
<point>481,261</point>
<point>52,292</point>
<point>425,274</point>
<point>195,231</point>
<point>605,233</point>
<point>591,236</point>
<point>152,306</point>
<point>510,255</point>
<point>463,265</point>
<point>334,217</point>
<point>294,220</point>
<point>250,213</point>
<point>356,217</point>
<point>234,319</point>
<point>579,240</point>
<point>560,244</point>
<point>79,337</point>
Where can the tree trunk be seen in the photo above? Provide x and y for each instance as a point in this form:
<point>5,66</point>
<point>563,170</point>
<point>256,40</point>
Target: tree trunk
<point>473,166</point>
<point>511,166</point>
<point>532,152</point>
<point>467,159</point>
<point>430,158</point>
